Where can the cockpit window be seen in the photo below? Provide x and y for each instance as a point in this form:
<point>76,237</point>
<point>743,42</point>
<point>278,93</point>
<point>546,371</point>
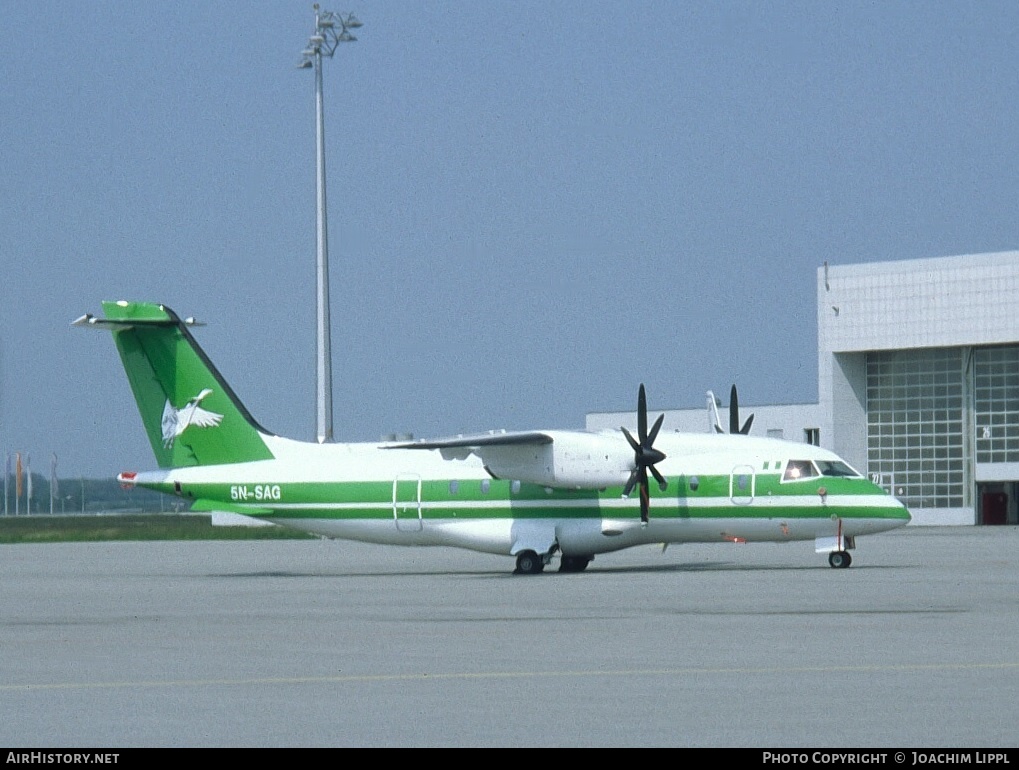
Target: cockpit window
<point>796,470</point>
<point>835,468</point>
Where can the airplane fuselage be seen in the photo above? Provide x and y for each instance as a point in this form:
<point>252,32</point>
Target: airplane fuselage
<point>720,488</point>
<point>528,494</point>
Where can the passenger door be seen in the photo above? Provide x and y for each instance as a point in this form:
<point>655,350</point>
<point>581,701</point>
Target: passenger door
<point>407,502</point>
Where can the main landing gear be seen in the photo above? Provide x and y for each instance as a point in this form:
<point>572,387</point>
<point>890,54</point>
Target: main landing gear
<point>531,563</point>
<point>840,559</point>
<point>574,563</point>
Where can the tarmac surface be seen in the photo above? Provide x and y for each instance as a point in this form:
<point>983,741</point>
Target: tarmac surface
<point>339,644</point>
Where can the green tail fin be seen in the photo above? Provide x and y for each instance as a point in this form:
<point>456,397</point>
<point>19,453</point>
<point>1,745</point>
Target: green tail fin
<point>191,415</point>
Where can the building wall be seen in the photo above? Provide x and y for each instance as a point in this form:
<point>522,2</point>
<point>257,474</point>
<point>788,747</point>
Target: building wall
<point>921,303</point>
<point>962,303</point>
<point>930,310</point>
<point>848,411</point>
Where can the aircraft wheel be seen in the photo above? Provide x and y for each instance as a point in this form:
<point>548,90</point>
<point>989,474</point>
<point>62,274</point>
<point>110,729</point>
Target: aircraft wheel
<point>840,559</point>
<point>574,563</point>
<point>529,563</point>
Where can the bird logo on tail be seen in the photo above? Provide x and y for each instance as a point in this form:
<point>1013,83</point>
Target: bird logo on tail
<point>176,421</point>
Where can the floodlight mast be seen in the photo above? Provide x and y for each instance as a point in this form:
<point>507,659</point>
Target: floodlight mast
<point>331,29</point>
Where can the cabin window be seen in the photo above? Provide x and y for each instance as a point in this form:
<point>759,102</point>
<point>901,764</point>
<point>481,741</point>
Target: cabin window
<point>486,485</point>
<point>797,470</point>
<point>515,486</point>
<point>694,483</point>
<point>454,487</point>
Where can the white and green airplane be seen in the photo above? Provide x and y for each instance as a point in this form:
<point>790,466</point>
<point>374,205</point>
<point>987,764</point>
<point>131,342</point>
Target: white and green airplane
<point>529,495</point>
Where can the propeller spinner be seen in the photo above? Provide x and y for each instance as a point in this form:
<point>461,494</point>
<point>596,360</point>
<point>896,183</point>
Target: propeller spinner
<point>734,426</point>
<point>645,456</point>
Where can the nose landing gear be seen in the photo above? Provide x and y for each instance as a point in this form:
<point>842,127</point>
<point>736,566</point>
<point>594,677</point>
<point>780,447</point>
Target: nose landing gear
<point>840,559</point>
<point>529,563</point>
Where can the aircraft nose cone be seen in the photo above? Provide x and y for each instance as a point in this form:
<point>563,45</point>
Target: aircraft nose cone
<point>903,513</point>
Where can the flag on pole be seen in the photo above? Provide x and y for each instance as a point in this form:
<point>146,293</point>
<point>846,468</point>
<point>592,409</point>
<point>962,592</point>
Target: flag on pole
<point>17,475</point>
<point>28,485</point>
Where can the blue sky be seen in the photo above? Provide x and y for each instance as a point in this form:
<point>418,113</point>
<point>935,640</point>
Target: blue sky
<point>533,206</point>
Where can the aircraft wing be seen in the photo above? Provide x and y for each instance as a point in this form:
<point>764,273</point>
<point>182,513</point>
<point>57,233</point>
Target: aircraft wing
<point>566,459</point>
<point>503,438</point>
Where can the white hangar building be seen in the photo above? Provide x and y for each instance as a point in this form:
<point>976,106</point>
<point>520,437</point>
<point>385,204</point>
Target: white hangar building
<point>918,380</point>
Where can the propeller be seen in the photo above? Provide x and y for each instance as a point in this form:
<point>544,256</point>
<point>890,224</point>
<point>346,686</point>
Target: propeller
<point>734,426</point>
<point>645,456</point>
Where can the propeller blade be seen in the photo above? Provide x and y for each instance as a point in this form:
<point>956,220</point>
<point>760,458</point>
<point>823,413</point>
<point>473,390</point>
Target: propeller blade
<point>662,483</point>
<point>733,411</point>
<point>642,415</point>
<point>633,442</point>
<point>645,497</point>
<point>654,430</point>
<point>734,426</point>
<point>630,483</point>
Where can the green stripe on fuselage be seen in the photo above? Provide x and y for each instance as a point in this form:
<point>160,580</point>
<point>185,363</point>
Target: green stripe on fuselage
<point>375,499</point>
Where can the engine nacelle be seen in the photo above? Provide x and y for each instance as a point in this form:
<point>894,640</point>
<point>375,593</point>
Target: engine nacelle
<point>572,460</point>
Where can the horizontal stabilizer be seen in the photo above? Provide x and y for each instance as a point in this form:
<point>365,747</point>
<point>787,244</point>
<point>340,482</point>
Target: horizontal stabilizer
<point>155,315</point>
